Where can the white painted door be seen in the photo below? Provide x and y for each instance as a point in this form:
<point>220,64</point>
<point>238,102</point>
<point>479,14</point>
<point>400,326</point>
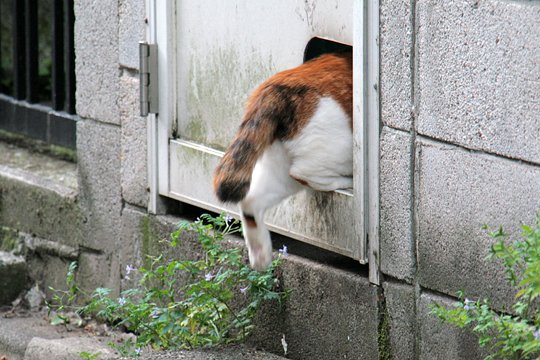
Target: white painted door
<point>212,54</point>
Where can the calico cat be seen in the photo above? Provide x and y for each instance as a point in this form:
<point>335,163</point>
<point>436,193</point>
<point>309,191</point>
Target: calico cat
<point>296,133</point>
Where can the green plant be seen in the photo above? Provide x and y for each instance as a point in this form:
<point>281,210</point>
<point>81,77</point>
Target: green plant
<point>515,335</point>
<point>88,356</point>
<point>217,304</point>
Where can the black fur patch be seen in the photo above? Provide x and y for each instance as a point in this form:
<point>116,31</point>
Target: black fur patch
<point>250,220</point>
<point>240,150</point>
<point>232,191</point>
<point>285,114</point>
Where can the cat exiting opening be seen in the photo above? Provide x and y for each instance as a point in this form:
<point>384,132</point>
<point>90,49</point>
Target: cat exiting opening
<point>296,133</point>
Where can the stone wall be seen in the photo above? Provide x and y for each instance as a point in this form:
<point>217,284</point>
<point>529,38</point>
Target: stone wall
<point>459,148</point>
<point>111,137</point>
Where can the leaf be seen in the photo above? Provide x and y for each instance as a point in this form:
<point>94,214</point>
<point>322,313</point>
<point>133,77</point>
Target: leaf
<point>58,320</point>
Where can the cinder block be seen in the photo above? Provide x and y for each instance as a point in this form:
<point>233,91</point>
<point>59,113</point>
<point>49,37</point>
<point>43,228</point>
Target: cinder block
<point>13,277</point>
<point>396,242</point>
<point>48,271</point>
<point>478,84</point>
<point>396,35</point>
<point>98,149</point>
<point>458,192</point>
<point>441,341</point>
<point>134,149</point>
<point>131,30</point>
<point>96,64</point>
<point>401,308</point>
<point>330,314</point>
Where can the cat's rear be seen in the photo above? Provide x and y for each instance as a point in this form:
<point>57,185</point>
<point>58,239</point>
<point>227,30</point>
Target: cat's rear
<point>296,132</point>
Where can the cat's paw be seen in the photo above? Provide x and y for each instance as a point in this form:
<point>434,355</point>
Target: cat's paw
<point>260,258</point>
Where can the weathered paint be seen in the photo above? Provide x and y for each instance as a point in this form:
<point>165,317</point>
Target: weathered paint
<point>330,220</point>
<point>224,50</point>
<point>216,92</point>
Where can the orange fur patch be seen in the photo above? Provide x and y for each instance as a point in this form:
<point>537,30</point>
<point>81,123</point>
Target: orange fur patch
<point>279,109</point>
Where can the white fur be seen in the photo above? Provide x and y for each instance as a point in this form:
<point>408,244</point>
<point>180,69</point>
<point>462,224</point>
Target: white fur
<point>321,155</point>
<point>270,184</point>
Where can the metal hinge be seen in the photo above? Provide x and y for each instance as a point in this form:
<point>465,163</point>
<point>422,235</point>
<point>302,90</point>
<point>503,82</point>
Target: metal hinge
<point>148,77</point>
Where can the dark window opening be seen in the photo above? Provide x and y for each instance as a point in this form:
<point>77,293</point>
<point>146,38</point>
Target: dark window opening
<point>318,46</point>
<point>37,70</point>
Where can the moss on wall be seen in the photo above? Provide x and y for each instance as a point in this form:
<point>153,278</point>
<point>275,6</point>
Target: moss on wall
<point>383,335</point>
<point>9,238</point>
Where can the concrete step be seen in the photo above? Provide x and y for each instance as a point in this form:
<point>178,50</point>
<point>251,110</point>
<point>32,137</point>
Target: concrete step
<point>39,195</point>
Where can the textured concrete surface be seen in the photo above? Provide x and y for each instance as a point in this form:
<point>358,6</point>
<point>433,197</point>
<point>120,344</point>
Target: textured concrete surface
<point>131,30</point>
<point>396,36</point>
<point>68,348</point>
<point>17,332</point>
<point>330,314</point>
<point>99,165</point>
<point>401,308</point>
<point>13,277</point>
<point>458,192</point>
<point>479,74</point>
<point>38,195</point>
<point>440,341</point>
<point>134,149</point>
<point>47,271</point>
<point>96,61</point>
<point>397,246</point>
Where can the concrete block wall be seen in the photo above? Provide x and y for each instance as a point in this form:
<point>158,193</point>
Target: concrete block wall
<point>459,149</point>
<point>111,137</point>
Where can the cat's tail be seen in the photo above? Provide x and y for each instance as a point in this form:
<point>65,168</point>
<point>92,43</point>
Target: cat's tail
<point>257,132</point>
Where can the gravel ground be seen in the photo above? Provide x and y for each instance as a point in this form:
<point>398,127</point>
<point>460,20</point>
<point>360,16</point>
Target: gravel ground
<point>237,352</point>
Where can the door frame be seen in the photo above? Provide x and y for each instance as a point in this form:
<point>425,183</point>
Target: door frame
<point>160,15</point>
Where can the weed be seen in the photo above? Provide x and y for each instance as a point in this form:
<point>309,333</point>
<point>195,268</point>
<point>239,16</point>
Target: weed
<point>509,336</point>
<point>217,305</point>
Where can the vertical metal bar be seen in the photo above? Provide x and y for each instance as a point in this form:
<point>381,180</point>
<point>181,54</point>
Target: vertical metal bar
<point>373,135</point>
<point>151,121</point>
<point>31,24</point>
<point>58,78</point>
<point>19,73</point>
<point>360,133</point>
<point>69,53</point>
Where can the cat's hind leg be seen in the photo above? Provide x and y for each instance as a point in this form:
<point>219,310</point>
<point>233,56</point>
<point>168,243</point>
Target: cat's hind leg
<point>270,184</point>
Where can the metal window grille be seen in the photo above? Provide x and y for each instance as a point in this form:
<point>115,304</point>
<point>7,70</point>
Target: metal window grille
<point>37,70</point>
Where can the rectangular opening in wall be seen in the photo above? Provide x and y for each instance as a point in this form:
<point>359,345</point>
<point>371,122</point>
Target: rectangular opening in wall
<point>216,54</point>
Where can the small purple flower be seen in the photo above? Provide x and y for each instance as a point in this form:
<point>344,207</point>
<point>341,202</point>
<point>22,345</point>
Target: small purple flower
<point>467,305</point>
<point>244,289</point>
<point>209,276</point>
<point>284,250</point>
<point>138,351</point>
<point>228,219</point>
<point>122,301</point>
<point>536,334</point>
<point>155,314</point>
<point>130,269</point>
